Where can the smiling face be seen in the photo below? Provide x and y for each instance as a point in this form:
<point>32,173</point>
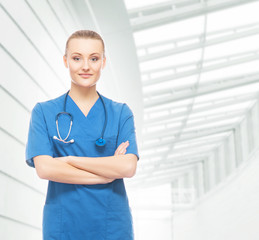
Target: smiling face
<point>85,61</point>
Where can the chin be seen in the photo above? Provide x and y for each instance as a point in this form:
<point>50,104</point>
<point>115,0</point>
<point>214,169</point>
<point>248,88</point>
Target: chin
<point>84,84</point>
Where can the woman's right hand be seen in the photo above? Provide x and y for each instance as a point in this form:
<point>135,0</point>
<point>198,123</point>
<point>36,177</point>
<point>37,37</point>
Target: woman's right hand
<point>122,148</point>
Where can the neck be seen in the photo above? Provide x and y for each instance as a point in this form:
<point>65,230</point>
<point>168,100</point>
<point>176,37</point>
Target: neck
<point>82,94</point>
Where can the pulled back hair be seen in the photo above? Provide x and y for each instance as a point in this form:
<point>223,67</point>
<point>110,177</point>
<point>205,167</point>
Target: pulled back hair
<point>86,34</point>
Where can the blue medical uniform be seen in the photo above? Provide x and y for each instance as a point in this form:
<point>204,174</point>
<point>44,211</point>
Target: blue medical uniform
<point>76,211</point>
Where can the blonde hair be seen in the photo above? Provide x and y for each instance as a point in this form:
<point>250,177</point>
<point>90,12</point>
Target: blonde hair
<point>85,34</point>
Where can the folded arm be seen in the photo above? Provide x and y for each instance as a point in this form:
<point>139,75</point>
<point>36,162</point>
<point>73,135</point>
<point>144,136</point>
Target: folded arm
<point>78,170</point>
<point>120,166</point>
<point>59,171</point>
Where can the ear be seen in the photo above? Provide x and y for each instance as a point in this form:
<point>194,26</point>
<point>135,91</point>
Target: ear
<point>104,62</point>
<point>65,61</point>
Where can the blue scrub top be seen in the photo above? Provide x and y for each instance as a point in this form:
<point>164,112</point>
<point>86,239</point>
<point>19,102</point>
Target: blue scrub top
<point>76,211</point>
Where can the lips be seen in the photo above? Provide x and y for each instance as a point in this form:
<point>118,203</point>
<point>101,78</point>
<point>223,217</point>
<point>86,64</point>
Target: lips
<point>85,75</point>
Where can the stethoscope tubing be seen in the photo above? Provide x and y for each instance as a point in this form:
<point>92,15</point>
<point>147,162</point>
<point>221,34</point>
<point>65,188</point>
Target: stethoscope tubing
<point>99,142</point>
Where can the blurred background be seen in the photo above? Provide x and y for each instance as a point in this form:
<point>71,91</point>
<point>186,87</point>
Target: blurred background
<point>188,69</point>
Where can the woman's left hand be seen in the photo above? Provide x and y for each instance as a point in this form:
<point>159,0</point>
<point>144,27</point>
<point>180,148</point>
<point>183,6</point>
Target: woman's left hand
<point>121,150</point>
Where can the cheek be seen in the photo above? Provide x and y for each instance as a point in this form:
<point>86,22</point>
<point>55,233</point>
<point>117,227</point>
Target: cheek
<point>74,68</point>
<point>96,67</point>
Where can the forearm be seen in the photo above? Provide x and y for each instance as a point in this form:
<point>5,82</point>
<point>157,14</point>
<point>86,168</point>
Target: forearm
<point>115,167</point>
<point>58,171</point>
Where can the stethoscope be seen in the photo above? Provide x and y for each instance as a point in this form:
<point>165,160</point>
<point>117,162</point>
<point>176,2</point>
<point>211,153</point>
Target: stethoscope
<point>99,142</point>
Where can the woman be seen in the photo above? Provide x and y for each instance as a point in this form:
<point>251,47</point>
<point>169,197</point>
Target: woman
<point>85,162</point>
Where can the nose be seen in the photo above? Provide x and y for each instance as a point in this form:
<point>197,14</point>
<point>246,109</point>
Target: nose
<point>85,65</point>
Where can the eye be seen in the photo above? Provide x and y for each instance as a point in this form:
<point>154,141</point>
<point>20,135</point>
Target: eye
<point>76,58</point>
<point>94,59</point>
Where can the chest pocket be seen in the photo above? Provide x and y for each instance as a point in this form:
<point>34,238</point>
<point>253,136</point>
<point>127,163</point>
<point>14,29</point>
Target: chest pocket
<point>109,148</point>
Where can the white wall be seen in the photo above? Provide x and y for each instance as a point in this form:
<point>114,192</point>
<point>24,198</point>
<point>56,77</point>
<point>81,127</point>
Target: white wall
<point>31,70</point>
<point>151,213</point>
<point>228,212</point>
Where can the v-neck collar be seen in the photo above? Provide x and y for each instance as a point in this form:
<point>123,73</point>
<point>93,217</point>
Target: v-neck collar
<point>80,111</point>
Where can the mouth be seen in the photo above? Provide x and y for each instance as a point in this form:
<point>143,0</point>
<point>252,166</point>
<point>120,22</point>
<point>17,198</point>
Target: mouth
<point>85,75</point>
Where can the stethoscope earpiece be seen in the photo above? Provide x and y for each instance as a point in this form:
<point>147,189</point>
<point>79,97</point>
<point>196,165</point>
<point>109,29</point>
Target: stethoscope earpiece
<point>99,142</point>
<point>55,137</point>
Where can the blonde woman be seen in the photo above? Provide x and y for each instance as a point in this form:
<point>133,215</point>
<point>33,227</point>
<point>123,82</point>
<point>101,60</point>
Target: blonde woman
<point>84,144</point>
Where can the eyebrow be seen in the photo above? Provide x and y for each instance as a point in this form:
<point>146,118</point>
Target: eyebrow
<point>90,54</point>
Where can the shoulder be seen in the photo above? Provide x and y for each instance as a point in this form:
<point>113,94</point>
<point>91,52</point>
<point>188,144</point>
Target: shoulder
<point>48,105</point>
<point>118,110</point>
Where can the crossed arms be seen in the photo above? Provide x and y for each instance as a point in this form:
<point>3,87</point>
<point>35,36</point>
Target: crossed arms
<point>87,170</point>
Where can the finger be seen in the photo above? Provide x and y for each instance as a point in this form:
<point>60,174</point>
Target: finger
<point>119,147</point>
<point>122,146</point>
<point>123,151</point>
<point>120,152</point>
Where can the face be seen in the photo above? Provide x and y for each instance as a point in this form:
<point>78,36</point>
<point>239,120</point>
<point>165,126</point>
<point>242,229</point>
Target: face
<point>85,61</point>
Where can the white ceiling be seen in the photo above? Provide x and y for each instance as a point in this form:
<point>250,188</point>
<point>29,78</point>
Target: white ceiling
<point>199,70</point>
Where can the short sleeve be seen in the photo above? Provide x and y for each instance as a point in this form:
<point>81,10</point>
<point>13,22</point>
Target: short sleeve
<point>127,130</point>
<point>38,142</point>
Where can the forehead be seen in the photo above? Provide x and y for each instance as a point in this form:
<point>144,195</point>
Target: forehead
<point>85,46</point>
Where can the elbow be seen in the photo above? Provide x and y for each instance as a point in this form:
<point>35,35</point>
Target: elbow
<point>131,168</point>
<point>130,173</point>
<point>41,172</point>
<point>42,168</point>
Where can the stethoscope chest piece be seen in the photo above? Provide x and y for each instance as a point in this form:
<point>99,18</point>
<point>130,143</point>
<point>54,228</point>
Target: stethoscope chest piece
<point>100,142</point>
